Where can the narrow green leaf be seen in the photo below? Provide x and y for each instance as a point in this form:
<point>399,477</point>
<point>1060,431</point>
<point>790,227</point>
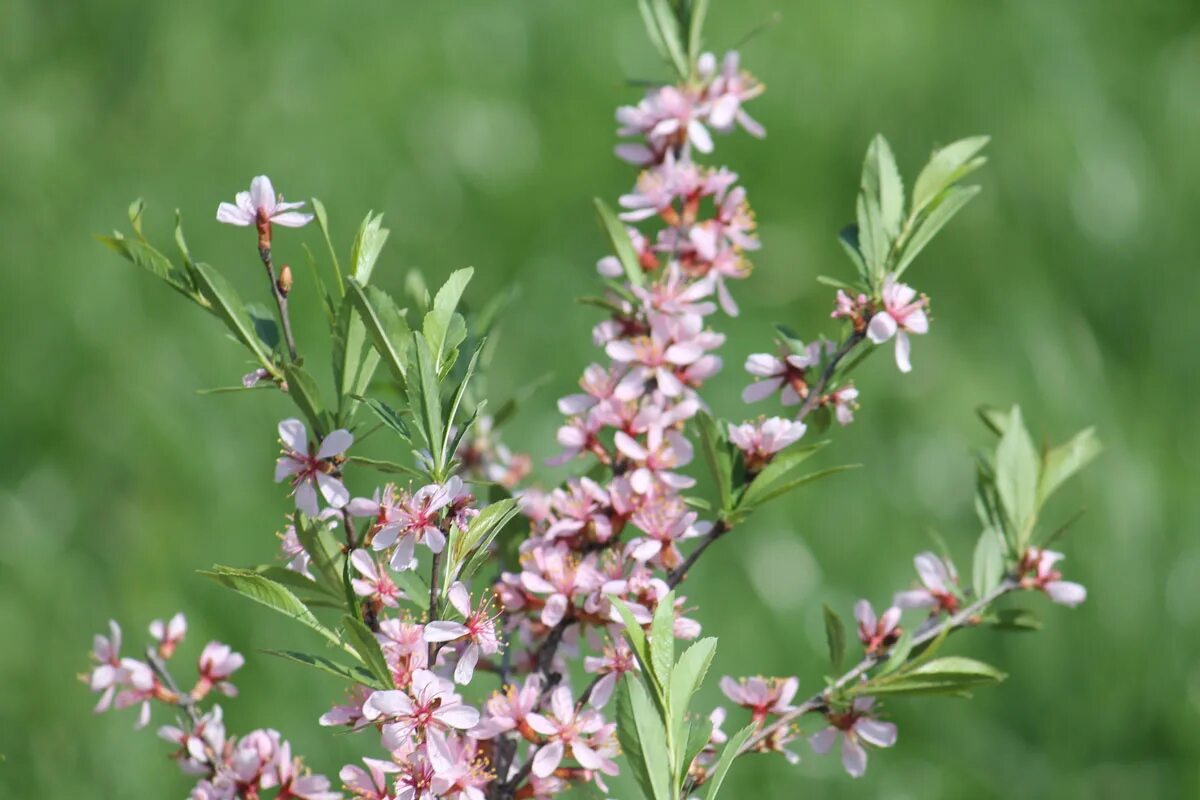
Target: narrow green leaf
<point>389,416</point>
<point>934,218</point>
<point>1017,479</point>
<point>653,739</point>
<point>154,262</point>
<point>662,641</point>
<point>293,580</point>
<point>898,654</point>
<point>947,165</point>
<point>367,245</point>
<point>1014,619</point>
<point>355,675</point>
<point>1065,460</point>
<point>441,318</point>
<point>452,415</point>
<point>481,533</point>
<point>835,636</point>
<point>988,564</point>
<point>385,325</point>
<point>686,677</point>
<point>426,399</point>
<point>716,456</point>
<point>726,761</point>
<point>784,487</point>
<point>881,181</point>
<point>627,736</point>
<point>226,304</point>
<point>307,397</point>
<point>275,596</point>
<point>777,470</point>
<point>950,675</point>
<point>668,26</point>
<point>366,646</point>
<point>636,636</point>
<point>848,239</point>
<point>386,467</point>
<point>696,30</point>
<point>699,731</point>
<point>323,224</point>
<point>622,245</point>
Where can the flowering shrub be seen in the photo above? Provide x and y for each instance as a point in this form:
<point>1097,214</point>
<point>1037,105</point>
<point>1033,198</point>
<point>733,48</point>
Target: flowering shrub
<point>457,576</point>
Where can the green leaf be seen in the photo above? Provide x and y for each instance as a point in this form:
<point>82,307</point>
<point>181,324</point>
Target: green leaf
<point>425,398</point>
<point>386,467</point>
<point>994,418</point>
<point>835,636</point>
<point>699,731</point>
<point>898,654</point>
<point>413,585</point>
<point>317,541</point>
<point>872,238</point>
<point>779,467</point>
<point>1014,619</point>
<point>653,739</point>
<point>696,29</point>
<point>367,245</point>
<point>637,638</point>
<point>1065,460</point>
<point>950,675</point>
<point>135,216</point>
<point>848,239</point>
<point>154,262</point>
<point>353,674</point>
<point>1017,479</point>
<point>881,181</point>
<point>304,393</point>
<point>784,487</point>
<point>622,245</point>
<point>631,743</point>
<point>265,326</point>
<point>947,165</point>
<point>727,756</point>
<point>293,580</point>
<point>662,641</point>
<point>933,220</point>
<point>716,456</point>
<point>988,564</point>
<point>686,678</point>
<point>366,646</point>
<point>457,401</point>
<point>439,321</point>
<point>480,534</point>
<point>225,303</point>
<point>389,416</point>
<point>353,367</point>
<point>275,596</point>
<point>385,325</point>
<point>323,224</point>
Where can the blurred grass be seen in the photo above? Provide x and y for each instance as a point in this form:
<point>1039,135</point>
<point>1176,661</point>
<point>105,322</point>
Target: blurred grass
<point>482,130</point>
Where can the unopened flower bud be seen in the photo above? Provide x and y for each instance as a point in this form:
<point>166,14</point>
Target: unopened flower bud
<point>285,280</point>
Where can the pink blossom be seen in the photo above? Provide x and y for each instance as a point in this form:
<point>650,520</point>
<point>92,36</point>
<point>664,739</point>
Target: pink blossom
<point>1047,578</point>
<point>845,402</point>
<point>855,728</point>
<point>168,634</point>
<point>140,687</point>
<point>762,696</point>
<point>296,782</point>
<point>665,523</point>
<point>369,783</point>
<point>432,703</point>
<point>478,627</point>
<point>375,583</point>
<point>903,313</point>
<point>507,709</point>
<point>108,674</point>
<point>559,575</point>
<point>419,780</point>
<point>566,728</point>
<point>307,471</point>
<point>760,442</point>
<point>940,581</point>
<point>261,201</point>
<point>654,461</point>
<point>727,92</point>
<point>775,372</point>
<point>456,760</point>
<point>296,557</point>
<point>877,634</point>
<point>615,660</point>
<point>216,663</point>
<point>417,519</point>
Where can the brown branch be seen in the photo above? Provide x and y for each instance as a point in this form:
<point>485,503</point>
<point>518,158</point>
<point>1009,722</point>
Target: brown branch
<point>281,298</point>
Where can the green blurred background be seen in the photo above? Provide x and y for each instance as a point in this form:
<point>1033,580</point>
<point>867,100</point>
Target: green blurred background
<point>483,129</point>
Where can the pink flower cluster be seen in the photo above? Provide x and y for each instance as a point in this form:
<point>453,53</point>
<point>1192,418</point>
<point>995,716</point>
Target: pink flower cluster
<point>227,767</point>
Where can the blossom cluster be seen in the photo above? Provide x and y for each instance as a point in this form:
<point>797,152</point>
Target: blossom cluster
<point>226,767</point>
<point>608,545</point>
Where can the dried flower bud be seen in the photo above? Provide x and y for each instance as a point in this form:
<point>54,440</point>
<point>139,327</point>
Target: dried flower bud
<point>285,280</point>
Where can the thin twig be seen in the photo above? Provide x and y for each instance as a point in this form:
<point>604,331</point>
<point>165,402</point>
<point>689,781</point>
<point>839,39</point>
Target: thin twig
<point>929,630</point>
<point>281,300</point>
